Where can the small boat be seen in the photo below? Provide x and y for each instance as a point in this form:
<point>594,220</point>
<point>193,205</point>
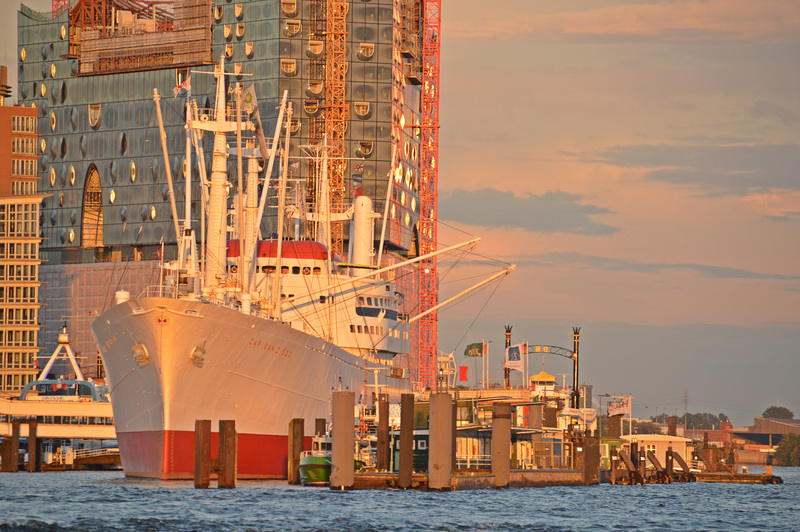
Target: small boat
<point>315,465</point>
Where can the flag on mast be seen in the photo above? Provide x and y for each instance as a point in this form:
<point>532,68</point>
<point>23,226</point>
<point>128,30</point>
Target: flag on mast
<point>513,358</point>
<point>474,350</point>
<point>184,88</point>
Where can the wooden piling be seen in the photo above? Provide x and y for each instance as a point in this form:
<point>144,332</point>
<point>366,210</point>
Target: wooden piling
<point>33,446</point>
<point>296,447</point>
<point>591,459</point>
<point>320,426</point>
<point>406,461</point>
<point>383,432</point>
<point>501,444</point>
<point>202,453</point>
<point>14,462</point>
<point>440,446</point>
<point>342,471</point>
<point>227,454</point>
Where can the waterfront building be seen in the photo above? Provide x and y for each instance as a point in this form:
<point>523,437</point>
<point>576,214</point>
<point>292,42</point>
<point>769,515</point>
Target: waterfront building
<point>353,78</point>
<point>19,242</point>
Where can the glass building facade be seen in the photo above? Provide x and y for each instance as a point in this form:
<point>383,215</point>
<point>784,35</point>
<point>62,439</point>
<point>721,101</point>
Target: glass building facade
<point>91,75</point>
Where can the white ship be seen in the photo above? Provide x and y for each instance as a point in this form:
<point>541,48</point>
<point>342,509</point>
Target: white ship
<point>259,337</point>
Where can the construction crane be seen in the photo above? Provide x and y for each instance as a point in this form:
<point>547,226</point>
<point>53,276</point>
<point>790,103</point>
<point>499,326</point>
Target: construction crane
<point>336,110</point>
<point>58,6</point>
<point>429,190</point>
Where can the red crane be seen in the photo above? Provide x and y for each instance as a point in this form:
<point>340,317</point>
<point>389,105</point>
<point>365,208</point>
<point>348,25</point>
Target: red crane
<point>429,190</point>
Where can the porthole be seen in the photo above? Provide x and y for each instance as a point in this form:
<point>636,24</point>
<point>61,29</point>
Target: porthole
<point>114,171</point>
<point>73,216</point>
<point>240,30</point>
<point>52,177</point>
<point>164,192</point>
<point>133,171</point>
<point>63,236</point>
<point>123,143</point>
<point>73,119</point>
<point>362,110</point>
<point>84,144</point>
<point>403,198</point>
<point>52,121</point>
<point>72,235</point>
<point>22,54</point>
<point>408,219</point>
<point>63,176</point>
<point>63,145</point>
<point>143,212</point>
<point>414,204</point>
<point>44,51</point>
<point>414,153</point>
<point>398,174</point>
<point>53,217</point>
<point>394,212</point>
<point>53,150</point>
<point>238,11</point>
<point>52,70</point>
<point>63,91</point>
<point>152,212</point>
<point>407,149</point>
<point>154,170</point>
<point>23,90</point>
<point>123,214</point>
<point>112,196</point>
<point>63,32</point>
<point>72,176</point>
<point>61,200</point>
<point>43,90</point>
<point>217,13</point>
<point>248,49</point>
<point>226,31</point>
<point>43,145</point>
<point>228,51</point>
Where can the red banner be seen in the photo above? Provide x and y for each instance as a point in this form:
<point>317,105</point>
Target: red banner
<point>462,373</point>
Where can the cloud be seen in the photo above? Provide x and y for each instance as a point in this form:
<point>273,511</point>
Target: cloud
<point>734,169</point>
<point>764,109</point>
<point>789,216</point>
<point>561,259</point>
<point>551,212</point>
<point>692,20</point>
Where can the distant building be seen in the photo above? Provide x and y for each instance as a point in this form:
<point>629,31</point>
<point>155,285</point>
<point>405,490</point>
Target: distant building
<point>766,431</point>
<point>19,242</point>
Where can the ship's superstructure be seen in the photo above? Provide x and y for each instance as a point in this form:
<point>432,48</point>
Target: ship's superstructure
<point>259,331</point>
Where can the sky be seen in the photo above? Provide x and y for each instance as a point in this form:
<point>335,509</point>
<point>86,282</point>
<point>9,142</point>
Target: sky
<point>639,162</point>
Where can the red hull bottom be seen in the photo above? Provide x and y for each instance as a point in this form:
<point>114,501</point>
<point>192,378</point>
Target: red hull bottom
<point>169,455</point>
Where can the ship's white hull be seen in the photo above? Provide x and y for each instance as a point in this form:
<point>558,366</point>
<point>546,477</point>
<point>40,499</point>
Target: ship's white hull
<point>171,362</point>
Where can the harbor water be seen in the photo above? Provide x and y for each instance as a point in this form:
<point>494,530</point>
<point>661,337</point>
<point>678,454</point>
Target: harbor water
<point>109,501</point>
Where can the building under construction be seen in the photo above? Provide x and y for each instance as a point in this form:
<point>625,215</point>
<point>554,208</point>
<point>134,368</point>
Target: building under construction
<point>362,76</point>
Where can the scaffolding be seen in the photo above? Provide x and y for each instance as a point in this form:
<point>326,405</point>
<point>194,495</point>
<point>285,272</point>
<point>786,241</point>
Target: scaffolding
<point>110,36</point>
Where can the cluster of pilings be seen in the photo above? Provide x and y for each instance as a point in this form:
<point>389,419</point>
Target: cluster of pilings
<point>631,468</point>
<point>9,449</point>
<point>225,464</point>
<point>442,474</point>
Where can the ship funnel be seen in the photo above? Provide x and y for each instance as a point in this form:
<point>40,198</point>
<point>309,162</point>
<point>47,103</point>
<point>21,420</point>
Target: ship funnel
<point>121,296</point>
<point>363,222</point>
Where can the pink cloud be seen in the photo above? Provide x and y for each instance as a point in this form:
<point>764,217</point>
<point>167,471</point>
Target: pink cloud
<point>768,20</point>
